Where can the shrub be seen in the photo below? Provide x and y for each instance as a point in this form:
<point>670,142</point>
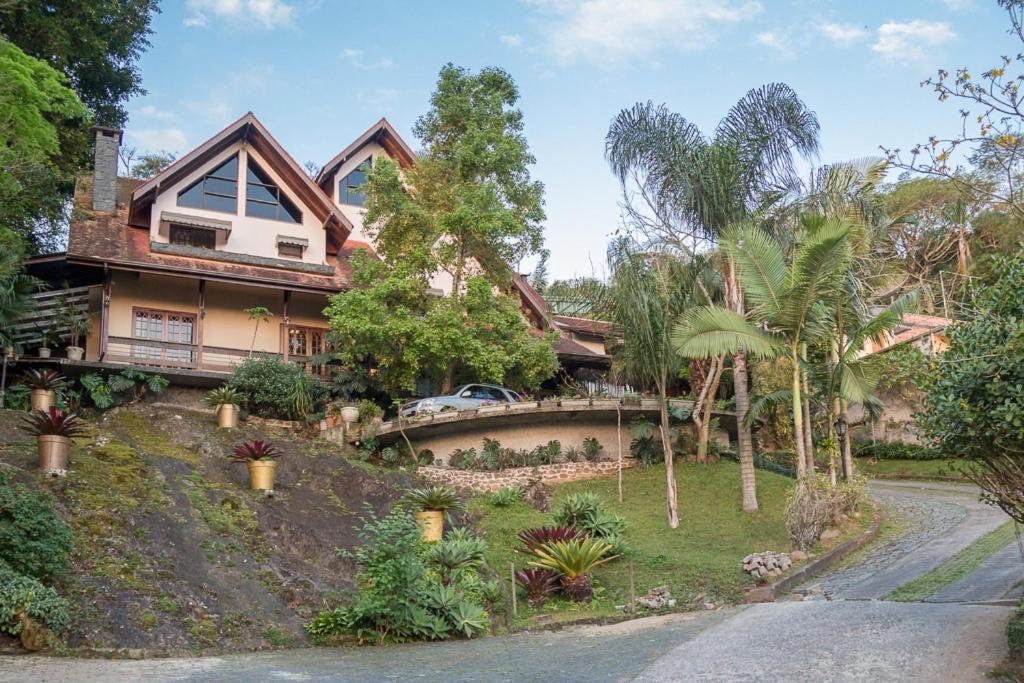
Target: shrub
<point>20,594</point>
<point>438,498</point>
<point>537,584</point>
<point>809,510</point>
<point>552,451</point>
<point>126,386</point>
<point>643,445</point>
<point>34,540</point>
<point>895,450</point>
<point>506,496</point>
<point>52,422</point>
<point>574,560</point>
<point>451,556</point>
<point>270,388</point>
<point>535,538</point>
<point>425,457</point>
<point>256,449</point>
<point>490,456</point>
<point>1015,633</point>
<point>572,454</point>
<point>592,449</point>
<point>223,395</point>
<point>368,411</point>
<point>463,458</point>
<point>586,512</point>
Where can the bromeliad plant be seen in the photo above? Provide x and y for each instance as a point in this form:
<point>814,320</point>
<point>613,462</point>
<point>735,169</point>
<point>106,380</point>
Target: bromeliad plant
<point>223,395</point>
<point>537,584</point>
<point>535,538</point>
<point>53,422</point>
<point>48,380</point>
<point>255,450</point>
<point>435,499</point>
<point>574,560</point>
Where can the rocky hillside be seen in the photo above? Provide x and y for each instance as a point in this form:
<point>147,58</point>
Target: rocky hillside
<point>173,552</point>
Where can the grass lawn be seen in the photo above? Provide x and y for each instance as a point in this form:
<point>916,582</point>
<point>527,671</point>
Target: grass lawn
<point>701,556</point>
<point>942,470</point>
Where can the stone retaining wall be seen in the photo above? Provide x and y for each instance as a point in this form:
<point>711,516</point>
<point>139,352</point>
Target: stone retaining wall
<point>520,476</point>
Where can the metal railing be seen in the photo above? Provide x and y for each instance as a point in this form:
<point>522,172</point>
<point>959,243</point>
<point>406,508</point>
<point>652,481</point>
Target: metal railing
<point>164,354</point>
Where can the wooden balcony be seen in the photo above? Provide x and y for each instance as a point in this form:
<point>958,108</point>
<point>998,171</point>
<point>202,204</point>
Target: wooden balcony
<point>153,354</point>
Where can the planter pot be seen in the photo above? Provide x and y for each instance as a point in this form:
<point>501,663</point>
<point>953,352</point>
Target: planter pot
<point>261,475</point>
<point>431,524</point>
<point>75,353</point>
<point>43,399</point>
<point>349,414</point>
<point>227,416</point>
<point>9,351</point>
<point>44,352</point>
<point>53,452</point>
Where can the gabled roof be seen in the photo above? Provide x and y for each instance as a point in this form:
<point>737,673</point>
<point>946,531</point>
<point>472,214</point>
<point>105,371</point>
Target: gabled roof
<point>587,326</point>
<point>385,135</point>
<point>251,130</point>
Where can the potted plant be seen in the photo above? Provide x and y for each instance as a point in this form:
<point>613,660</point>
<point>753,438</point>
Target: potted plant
<point>261,456</point>
<point>44,385</point>
<point>433,502</point>
<point>53,430</point>
<point>46,339</point>
<point>349,414</point>
<point>225,400</point>
<point>71,318</point>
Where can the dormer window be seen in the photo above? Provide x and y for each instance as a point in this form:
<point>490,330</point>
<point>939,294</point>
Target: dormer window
<point>350,188</point>
<point>264,199</point>
<point>215,191</point>
<point>188,236</point>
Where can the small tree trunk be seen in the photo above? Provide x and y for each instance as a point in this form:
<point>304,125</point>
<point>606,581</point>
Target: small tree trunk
<point>734,301</point>
<point>798,418</point>
<point>252,346</point>
<point>666,447</point>
<point>618,434</point>
<point>806,403</point>
<point>848,469</point>
<point>704,405</point>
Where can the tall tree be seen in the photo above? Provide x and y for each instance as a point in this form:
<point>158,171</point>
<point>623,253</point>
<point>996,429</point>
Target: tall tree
<point>648,291</point>
<point>684,189</point>
<point>468,207</point>
<point>95,43</point>
<point>41,121</point>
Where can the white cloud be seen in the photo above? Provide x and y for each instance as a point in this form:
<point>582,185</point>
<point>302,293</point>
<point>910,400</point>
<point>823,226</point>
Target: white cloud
<point>909,41</point>
<point>774,42</point>
<point>609,31</point>
<point>355,58</point>
<point>511,39</point>
<point>171,139</point>
<point>266,13</point>
<point>843,34</point>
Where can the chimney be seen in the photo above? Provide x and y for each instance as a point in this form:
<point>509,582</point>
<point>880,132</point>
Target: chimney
<point>104,178</point>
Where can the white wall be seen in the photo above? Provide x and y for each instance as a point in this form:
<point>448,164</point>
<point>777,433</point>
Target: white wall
<point>355,213</point>
<point>254,236</point>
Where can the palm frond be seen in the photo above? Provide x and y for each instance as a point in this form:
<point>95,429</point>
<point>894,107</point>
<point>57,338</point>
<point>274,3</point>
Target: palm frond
<point>762,404</point>
<point>715,331</point>
<point>762,267</point>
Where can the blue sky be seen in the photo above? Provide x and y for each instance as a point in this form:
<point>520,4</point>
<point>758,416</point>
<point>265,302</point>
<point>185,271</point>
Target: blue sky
<point>318,73</point>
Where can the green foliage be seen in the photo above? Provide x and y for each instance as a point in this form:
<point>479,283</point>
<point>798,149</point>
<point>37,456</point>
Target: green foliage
<point>126,386</point>
<point>20,594</point>
<point>369,411</point>
<point>34,540</point>
<point>506,496</point>
<point>574,560</point>
<point>592,448</point>
<point>269,386</point>
<point>586,512</point>
<point>1015,633</point>
<point>643,445</point>
<point>223,395</point>
<point>439,498</point>
<point>895,450</point>
<point>906,368</point>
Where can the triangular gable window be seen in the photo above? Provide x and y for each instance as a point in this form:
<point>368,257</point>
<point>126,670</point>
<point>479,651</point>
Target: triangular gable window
<point>264,199</point>
<point>215,191</point>
<point>350,188</point>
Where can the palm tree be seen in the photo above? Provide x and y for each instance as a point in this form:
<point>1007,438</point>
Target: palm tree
<point>791,304</point>
<point>691,187</point>
<point>648,292</point>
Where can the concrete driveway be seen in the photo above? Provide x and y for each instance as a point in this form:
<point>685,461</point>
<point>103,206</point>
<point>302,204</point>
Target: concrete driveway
<point>837,629</point>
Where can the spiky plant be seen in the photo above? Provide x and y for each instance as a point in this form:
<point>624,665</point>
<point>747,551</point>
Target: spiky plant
<point>50,380</point>
<point>574,560</point>
<point>535,538</point>
<point>435,498</point>
<point>223,395</point>
<point>256,449</point>
<point>52,422</point>
<point>537,584</point>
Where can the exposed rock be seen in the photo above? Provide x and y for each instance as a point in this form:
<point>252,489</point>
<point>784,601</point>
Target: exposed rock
<point>830,535</point>
<point>798,556</point>
<point>765,564</point>
<point>656,598</point>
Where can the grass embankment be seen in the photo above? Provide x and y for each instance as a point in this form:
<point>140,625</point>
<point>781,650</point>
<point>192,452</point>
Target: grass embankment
<point>933,470</point>
<point>956,567</point>
<point>701,556</point>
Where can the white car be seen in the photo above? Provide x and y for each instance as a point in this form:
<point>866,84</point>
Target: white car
<point>464,398</point>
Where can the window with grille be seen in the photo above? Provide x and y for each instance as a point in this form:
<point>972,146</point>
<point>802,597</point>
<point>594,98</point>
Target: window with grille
<point>215,191</point>
<point>163,326</point>
<point>193,237</point>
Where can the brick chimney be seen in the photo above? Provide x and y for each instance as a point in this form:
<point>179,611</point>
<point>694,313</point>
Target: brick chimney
<point>104,178</point>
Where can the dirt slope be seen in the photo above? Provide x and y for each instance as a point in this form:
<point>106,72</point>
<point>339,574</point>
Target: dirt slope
<point>173,552</point>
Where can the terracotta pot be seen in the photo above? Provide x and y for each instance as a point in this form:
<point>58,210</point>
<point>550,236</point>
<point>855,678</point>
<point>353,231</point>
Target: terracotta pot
<point>75,353</point>
<point>431,524</point>
<point>53,451</point>
<point>227,416</point>
<point>43,399</point>
<point>349,414</point>
<point>261,475</point>
<point>44,352</point>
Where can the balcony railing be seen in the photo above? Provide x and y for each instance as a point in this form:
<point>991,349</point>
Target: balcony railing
<point>163,354</point>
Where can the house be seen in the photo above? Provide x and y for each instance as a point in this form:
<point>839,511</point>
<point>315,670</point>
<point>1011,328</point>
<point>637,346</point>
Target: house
<point>926,333</point>
<point>167,268</point>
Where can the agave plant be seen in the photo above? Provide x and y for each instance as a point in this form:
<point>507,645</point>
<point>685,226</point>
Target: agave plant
<point>436,498</point>
<point>574,560</point>
<point>535,538</point>
<point>256,449</point>
<point>223,395</point>
<point>537,583</point>
<point>449,557</point>
<point>49,380</point>
<point>52,422</point>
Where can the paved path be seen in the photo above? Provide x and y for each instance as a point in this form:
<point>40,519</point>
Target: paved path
<point>842,631</point>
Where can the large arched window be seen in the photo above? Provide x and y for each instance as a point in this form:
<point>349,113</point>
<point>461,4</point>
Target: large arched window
<point>264,199</point>
<point>350,188</point>
<point>215,191</point>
